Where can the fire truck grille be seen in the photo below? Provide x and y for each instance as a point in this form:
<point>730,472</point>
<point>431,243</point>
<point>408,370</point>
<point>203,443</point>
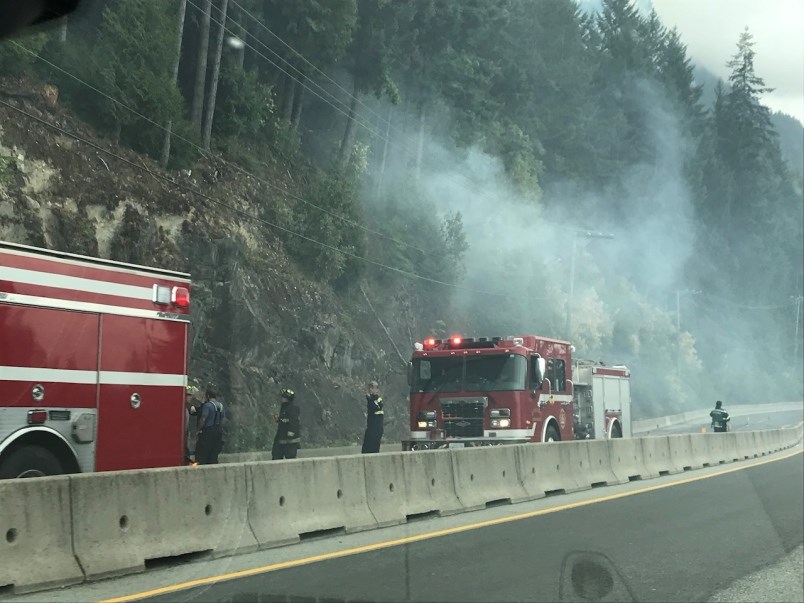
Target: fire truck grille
<point>463,419</point>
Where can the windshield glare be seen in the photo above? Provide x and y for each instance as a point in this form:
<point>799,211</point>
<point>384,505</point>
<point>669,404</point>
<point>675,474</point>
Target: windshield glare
<point>482,374</point>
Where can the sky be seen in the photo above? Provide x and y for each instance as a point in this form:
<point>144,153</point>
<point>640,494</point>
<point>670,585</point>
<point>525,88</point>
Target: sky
<point>711,28</point>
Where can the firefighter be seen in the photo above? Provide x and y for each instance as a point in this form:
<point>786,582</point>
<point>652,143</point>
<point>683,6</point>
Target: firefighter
<point>720,418</point>
<point>190,417</point>
<point>374,419</point>
<point>288,431</point>
<point>210,429</point>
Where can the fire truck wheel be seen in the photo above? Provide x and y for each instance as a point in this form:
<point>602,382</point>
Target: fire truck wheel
<point>30,461</point>
<point>552,434</point>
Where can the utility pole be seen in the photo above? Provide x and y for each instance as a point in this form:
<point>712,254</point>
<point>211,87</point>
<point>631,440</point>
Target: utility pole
<point>679,293</point>
<point>799,299</point>
<point>579,234</point>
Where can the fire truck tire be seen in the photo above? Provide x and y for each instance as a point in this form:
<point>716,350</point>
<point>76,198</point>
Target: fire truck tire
<point>552,435</point>
<point>30,461</point>
<point>616,432</point>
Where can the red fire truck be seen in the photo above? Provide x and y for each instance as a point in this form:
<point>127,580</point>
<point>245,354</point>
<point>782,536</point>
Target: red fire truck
<point>502,390</point>
<point>93,364</point>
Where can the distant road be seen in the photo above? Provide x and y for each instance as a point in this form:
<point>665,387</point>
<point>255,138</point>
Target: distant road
<point>743,419</point>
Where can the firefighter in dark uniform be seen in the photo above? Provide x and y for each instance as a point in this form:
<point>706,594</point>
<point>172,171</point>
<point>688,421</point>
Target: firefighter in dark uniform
<point>288,431</point>
<point>210,430</point>
<point>374,419</point>
<point>191,405</point>
<point>720,418</point>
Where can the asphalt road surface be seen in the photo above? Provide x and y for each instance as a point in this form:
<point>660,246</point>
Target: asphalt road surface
<point>682,543</point>
<point>727,533</point>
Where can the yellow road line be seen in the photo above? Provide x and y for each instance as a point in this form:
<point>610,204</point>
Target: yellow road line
<point>425,536</point>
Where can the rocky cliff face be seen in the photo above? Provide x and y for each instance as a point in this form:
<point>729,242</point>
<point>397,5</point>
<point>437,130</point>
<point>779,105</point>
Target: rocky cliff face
<point>258,323</point>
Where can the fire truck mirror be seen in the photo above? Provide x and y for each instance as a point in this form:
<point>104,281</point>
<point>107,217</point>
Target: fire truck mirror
<point>539,366</point>
<point>410,373</point>
<point>38,392</point>
<point>135,401</point>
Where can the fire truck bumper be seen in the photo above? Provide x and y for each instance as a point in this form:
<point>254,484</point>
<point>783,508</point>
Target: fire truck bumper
<point>419,444</point>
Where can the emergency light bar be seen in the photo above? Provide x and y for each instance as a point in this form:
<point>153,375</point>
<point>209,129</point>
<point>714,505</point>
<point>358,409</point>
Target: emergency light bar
<point>165,296</point>
<point>457,342</point>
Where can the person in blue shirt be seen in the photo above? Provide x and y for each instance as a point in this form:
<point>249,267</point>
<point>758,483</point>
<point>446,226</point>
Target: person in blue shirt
<point>210,429</point>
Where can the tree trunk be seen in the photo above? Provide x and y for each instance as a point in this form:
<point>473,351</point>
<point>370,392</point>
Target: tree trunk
<point>348,141</point>
<point>216,71</point>
<point>420,149</point>
<point>197,110</point>
<point>298,96</point>
<point>176,59</point>
<point>381,175</point>
<point>289,90</point>
<point>240,56</point>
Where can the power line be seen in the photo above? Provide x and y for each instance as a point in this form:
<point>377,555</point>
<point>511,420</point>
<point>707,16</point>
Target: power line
<point>244,213</point>
<point>304,85</point>
<point>311,64</point>
<point>378,135</point>
<point>209,155</point>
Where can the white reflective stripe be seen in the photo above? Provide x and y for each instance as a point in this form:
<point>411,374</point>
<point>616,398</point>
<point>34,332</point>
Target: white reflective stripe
<point>73,283</point>
<point>65,304</point>
<point>90,262</point>
<point>22,373</point>
<point>118,378</point>
<point>46,375</point>
<point>511,433</point>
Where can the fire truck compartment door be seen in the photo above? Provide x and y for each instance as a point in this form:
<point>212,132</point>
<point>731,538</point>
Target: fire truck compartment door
<point>48,358</point>
<point>143,365</point>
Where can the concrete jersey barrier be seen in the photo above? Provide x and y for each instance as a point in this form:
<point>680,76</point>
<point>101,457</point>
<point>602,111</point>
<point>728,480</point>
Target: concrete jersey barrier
<point>122,519</point>
<point>90,526</point>
<point>35,526</point>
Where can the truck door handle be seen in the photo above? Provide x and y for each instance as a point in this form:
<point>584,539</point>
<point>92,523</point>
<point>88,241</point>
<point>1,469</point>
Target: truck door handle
<point>136,400</point>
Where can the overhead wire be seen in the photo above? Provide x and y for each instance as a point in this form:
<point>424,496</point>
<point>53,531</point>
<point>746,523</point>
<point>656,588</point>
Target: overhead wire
<point>225,162</point>
<point>348,94</point>
<point>297,80</point>
<point>370,130</point>
<point>243,213</point>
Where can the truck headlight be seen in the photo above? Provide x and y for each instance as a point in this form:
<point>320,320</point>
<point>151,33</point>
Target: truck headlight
<point>501,423</point>
<point>426,419</point>
<point>499,413</point>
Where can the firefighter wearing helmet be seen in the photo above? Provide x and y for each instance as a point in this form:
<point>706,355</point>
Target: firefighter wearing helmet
<point>287,440</point>
<point>720,418</point>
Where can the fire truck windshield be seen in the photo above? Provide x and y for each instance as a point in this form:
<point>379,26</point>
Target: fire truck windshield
<point>482,373</point>
<point>495,373</point>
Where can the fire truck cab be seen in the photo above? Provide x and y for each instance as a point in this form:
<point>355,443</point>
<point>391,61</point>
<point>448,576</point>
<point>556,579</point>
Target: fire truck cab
<point>503,390</point>
<point>93,364</point>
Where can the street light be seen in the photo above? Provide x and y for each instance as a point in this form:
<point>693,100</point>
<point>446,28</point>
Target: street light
<point>579,234</point>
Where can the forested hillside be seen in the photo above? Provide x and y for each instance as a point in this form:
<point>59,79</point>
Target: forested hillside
<point>345,177</point>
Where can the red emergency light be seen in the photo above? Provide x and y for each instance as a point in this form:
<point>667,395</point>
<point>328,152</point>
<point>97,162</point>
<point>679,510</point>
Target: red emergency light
<point>456,340</point>
<point>180,297</point>
<point>37,417</point>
